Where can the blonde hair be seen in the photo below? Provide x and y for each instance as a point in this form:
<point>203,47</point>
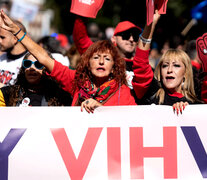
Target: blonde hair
<point>188,86</point>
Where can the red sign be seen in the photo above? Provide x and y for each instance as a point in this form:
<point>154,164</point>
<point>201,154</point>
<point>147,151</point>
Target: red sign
<point>152,5</point>
<point>86,8</point>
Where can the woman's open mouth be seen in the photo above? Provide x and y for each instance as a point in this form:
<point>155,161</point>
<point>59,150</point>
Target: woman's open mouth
<point>168,78</point>
<point>100,69</point>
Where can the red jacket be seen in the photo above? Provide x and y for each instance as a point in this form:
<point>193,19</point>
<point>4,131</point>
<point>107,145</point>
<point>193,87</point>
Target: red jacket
<point>143,74</point>
<point>80,36</point>
<point>204,91</point>
<point>65,77</point>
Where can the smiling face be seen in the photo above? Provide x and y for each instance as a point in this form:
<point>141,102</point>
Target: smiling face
<point>32,74</point>
<point>172,73</point>
<point>101,65</point>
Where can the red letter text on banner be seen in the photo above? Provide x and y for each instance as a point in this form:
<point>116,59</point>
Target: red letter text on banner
<point>168,152</point>
<point>114,153</point>
<point>76,167</point>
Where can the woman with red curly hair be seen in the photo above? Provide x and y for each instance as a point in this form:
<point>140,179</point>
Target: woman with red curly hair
<point>99,78</point>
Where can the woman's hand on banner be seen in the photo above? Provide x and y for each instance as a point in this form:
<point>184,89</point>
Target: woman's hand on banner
<point>89,105</point>
<point>179,107</point>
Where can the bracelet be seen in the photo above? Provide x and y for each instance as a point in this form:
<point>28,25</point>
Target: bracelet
<point>22,37</point>
<point>144,40</point>
<point>17,32</point>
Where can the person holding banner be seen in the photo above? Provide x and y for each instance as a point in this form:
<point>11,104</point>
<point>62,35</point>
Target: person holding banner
<point>99,79</point>
<point>173,78</point>
<point>33,87</point>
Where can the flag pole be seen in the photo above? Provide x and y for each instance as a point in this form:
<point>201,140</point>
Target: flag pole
<point>189,26</point>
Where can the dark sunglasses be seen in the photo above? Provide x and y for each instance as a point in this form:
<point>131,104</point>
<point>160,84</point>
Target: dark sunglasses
<point>126,35</point>
<point>28,63</point>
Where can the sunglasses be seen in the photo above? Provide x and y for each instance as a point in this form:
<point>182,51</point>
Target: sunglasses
<point>28,63</point>
<point>126,35</point>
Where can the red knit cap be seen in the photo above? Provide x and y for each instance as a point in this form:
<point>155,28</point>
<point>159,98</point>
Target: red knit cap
<point>124,26</point>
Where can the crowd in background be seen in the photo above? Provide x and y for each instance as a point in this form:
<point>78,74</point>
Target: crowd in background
<point>49,73</point>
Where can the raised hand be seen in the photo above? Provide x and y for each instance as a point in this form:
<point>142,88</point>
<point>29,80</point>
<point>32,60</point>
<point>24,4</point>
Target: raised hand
<point>146,36</point>
<point>35,49</point>
<point>156,17</point>
<point>7,24</point>
<point>201,46</point>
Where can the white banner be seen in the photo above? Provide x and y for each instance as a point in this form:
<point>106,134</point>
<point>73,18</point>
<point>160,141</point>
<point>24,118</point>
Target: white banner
<point>125,142</point>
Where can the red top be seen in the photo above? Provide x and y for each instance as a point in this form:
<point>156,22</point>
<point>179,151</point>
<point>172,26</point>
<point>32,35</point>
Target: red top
<point>65,77</point>
<point>176,94</point>
<point>80,36</point>
<point>196,65</point>
<point>143,74</point>
<point>204,90</point>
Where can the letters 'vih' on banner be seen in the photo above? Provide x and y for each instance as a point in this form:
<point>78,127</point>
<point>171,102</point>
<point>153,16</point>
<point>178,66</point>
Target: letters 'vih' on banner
<point>121,143</point>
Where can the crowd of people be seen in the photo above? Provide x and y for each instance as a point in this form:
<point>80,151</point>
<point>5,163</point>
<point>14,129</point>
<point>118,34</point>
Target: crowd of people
<point>99,71</point>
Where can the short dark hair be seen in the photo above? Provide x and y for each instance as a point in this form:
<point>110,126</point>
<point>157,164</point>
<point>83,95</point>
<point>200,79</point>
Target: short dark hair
<point>51,44</point>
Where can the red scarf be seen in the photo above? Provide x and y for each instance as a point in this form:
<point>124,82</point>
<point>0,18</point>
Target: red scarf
<point>100,94</point>
<point>176,94</point>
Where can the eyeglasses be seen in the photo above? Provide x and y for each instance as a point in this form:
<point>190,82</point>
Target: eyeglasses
<point>127,34</point>
<point>28,63</point>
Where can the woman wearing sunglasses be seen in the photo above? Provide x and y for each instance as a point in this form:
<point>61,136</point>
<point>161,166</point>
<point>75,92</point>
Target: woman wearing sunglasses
<point>33,87</point>
<point>99,79</point>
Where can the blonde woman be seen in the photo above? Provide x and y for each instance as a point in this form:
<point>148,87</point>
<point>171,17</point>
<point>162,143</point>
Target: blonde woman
<point>172,83</point>
<point>174,78</point>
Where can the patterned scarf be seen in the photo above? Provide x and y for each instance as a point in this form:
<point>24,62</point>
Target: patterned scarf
<point>100,94</point>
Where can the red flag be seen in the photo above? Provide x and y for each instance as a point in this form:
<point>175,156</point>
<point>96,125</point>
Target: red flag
<point>160,5</point>
<point>86,8</point>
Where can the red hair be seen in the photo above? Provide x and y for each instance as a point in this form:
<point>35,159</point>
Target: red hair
<point>83,72</point>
